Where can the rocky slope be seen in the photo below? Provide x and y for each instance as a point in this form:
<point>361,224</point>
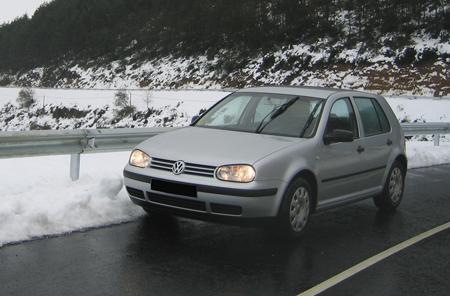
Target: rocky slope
<point>420,68</point>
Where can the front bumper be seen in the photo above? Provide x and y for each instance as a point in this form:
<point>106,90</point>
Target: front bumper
<point>229,200</point>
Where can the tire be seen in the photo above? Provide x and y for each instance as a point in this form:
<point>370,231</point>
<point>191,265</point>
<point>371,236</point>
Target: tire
<point>295,209</point>
<point>392,194</point>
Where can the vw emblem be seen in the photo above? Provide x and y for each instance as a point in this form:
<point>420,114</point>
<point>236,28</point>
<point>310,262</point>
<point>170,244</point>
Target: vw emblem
<point>178,167</point>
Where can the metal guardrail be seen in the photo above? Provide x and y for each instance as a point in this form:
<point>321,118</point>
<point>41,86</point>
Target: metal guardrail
<point>411,129</point>
<point>53,142</point>
<point>73,142</point>
<point>429,128</point>
<point>77,142</point>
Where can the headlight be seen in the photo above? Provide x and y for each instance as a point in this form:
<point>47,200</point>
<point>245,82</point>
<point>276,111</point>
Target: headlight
<point>139,159</point>
<point>236,173</point>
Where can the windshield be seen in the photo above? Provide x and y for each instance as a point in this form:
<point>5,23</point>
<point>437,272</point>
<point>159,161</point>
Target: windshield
<point>274,114</point>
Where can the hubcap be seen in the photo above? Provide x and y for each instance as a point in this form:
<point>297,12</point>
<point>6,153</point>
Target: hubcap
<point>396,185</point>
<point>299,210</point>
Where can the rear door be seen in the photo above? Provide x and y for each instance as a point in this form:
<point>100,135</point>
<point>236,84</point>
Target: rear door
<point>376,137</point>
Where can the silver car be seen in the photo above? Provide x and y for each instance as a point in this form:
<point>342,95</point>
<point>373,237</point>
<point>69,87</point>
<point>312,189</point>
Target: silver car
<point>274,154</point>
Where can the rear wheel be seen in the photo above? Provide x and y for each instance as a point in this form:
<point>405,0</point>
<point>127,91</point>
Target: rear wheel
<point>295,208</point>
<point>392,194</point>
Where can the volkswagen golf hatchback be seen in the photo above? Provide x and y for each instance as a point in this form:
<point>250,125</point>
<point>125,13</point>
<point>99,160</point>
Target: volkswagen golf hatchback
<point>276,154</point>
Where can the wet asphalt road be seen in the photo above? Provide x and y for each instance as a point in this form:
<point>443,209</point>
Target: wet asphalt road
<point>182,257</point>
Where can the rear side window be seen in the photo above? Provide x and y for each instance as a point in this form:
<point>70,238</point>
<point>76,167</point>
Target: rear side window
<point>382,116</point>
<point>373,118</point>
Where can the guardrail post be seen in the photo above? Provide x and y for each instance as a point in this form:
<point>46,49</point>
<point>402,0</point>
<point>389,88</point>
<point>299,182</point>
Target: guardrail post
<point>75,167</point>
<point>437,139</point>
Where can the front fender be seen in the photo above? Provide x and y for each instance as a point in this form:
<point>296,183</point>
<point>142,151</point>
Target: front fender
<point>285,165</point>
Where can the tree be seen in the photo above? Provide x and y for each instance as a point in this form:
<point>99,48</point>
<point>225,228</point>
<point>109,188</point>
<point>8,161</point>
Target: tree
<point>121,99</point>
<point>123,104</point>
<point>26,97</point>
<point>102,30</point>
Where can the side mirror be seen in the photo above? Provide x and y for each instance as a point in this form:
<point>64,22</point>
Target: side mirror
<point>194,118</point>
<point>338,136</point>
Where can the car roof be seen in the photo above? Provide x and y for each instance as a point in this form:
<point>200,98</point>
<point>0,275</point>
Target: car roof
<point>306,91</point>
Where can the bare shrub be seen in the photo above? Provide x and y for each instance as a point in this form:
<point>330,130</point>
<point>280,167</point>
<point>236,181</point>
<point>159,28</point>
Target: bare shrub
<point>26,97</point>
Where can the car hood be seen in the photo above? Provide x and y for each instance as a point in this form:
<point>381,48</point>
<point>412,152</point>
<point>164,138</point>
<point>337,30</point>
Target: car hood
<point>214,146</point>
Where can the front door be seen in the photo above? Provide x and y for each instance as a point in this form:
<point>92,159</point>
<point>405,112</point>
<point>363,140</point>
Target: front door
<point>340,164</point>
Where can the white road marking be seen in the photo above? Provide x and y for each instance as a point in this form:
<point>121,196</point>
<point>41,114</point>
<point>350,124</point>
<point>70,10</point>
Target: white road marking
<point>436,181</point>
<point>415,174</point>
<point>371,261</point>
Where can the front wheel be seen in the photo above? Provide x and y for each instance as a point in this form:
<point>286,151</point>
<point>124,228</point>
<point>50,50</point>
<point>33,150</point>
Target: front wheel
<point>295,208</point>
<point>392,194</point>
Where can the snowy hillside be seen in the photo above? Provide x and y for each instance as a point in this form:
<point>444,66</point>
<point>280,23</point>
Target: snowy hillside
<point>84,109</point>
<point>420,68</point>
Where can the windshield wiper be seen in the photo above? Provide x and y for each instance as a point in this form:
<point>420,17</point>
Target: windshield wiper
<point>274,114</point>
<point>310,119</point>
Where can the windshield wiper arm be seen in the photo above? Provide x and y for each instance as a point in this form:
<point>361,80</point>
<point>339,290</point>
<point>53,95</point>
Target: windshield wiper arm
<point>310,119</point>
<point>274,114</point>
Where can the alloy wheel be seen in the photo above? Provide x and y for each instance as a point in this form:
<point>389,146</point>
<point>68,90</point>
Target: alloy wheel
<point>299,209</point>
<point>396,185</point>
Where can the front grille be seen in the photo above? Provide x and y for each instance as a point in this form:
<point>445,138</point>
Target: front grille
<point>177,202</point>
<point>174,188</point>
<point>136,193</point>
<point>191,168</point>
<point>226,209</point>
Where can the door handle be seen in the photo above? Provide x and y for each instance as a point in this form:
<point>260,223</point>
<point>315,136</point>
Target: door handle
<point>389,142</point>
<point>360,149</point>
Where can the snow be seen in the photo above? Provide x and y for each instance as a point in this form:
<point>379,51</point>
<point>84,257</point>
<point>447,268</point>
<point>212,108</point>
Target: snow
<point>197,99</point>
<point>48,203</point>
<point>425,154</point>
<point>423,42</point>
<point>168,108</point>
<point>38,199</point>
<point>413,109</point>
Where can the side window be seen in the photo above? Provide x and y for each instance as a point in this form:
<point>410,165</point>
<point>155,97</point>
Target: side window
<point>382,116</point>
<point>373,118</point>
<point>342,117</point>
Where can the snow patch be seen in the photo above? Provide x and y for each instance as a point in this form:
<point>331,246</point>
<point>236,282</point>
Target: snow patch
<point>425,154</point>
<point>48,203</point>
